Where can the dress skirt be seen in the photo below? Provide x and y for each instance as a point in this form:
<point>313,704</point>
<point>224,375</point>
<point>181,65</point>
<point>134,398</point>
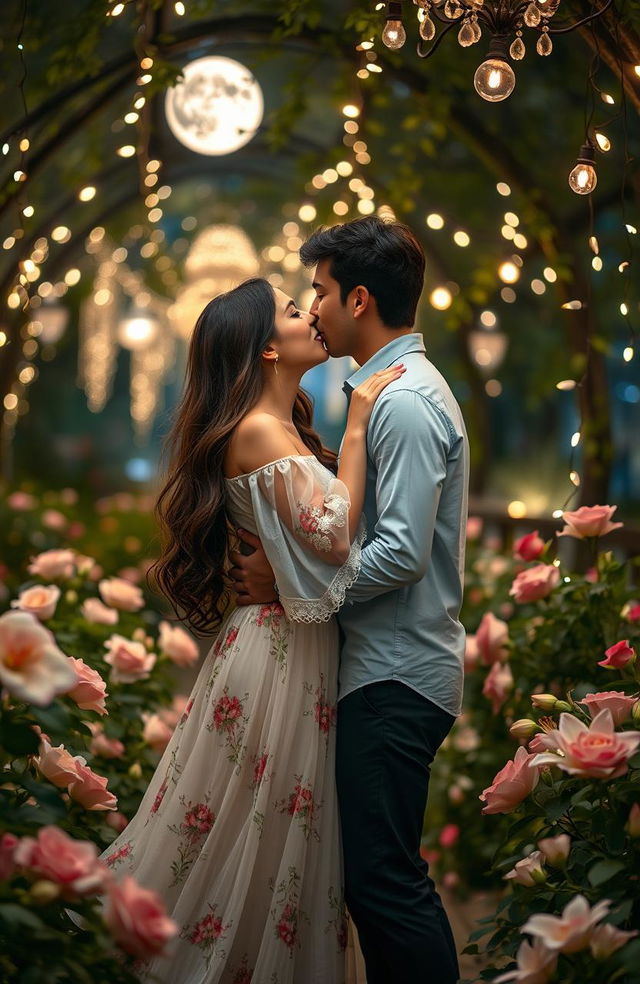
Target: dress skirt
<point>238,831</point>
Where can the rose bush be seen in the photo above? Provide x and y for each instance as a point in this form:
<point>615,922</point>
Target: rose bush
<point>75,748</point>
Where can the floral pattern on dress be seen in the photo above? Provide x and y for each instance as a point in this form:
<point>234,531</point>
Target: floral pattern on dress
<point>286,913</point>
<point>208,933</point>
<point>185,714</point>
<point>340,922</point>
<point>230,721</point>
<point>260,774</point>
<point>302,807</point>
<point>119,855</point>
<point>242,974</point>
<point>309,526</point>
<point>270,614</point>
<point>196,824</point>
<point>323,710</point>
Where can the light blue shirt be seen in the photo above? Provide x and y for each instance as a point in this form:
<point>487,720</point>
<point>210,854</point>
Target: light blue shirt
<point>401,618</point>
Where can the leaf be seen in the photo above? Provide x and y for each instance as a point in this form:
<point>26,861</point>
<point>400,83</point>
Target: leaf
<point>602,871</point>
<point>16,916</point>
<point>18,738</point>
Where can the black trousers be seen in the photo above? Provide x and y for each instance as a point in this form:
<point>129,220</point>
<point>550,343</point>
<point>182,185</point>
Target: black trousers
<point>387,738</point>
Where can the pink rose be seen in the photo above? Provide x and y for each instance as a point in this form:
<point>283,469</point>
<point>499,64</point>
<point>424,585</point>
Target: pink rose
<point>102,746</point>
<point>632,611</point>
<point>619,655</point>
<point>90,690</point>
<point>90,790</point>
<point>53,564</point>
<point>57,764</point>
<point>606,939</point>
<point>529,547</point>
<point>511,785</point>
<point>21,501</point>
<point>471,654</point>
<point>117,821</point>
<point>492,638</point>
<point>118,593</point>
<point>498,685</point>
<point>589,521</point>
<point>177,645</point>
<point>8,844</point>
<point>556,849</point>
<point>535,583</point>
<point>544,741</point>
<point>611,700</point>
<point>572,930</point>
<point>94,611</point>
<point>137,919</point>
<point>129,660</point>
<point>536,965</point>
<point>56,857</point>
<point>40,600</point>
<point>529,871</point>
<point>53,519</point>
<point>449,835</point>
<point>32,668</point>
<point>596,752</point>
<point>156,733</point>
<point>474,527</point>
<point>451,879</point>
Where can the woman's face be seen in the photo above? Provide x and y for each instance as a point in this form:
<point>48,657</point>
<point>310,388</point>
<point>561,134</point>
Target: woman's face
<point>296,341</point>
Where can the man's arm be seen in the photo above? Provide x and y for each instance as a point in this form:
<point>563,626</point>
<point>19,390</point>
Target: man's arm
<point>409,443</point>
<point>252,574</point>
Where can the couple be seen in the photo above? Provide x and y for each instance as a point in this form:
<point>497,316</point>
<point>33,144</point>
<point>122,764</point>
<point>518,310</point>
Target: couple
<point>244,825</point>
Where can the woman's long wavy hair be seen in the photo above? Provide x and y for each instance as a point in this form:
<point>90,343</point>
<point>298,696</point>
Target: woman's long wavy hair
<point>224,381</point>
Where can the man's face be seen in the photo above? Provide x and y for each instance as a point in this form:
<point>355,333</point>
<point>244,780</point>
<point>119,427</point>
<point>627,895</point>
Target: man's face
<point>335,321</point>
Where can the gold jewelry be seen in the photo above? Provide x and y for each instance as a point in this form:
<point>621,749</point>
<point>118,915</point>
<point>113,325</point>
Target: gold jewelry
<point>275,363</point>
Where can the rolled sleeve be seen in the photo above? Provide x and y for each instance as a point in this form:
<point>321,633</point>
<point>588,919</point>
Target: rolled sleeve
<point>409,441</point>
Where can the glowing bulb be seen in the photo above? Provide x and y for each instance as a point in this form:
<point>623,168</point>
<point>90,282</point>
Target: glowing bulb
<point>179,8</point>
<point>127,151</point>
<point>435,221</point>
<point>508,272</point>
<point>583,178</point>
<point>517,509</point>
<point>394,34</point>
<point>603,142</point>
<point>494,80</point>
<point>440,298</point>
<point>627,355</point>
<point>307,213</point>
<point>350,110</point>
<point>86,194</point>
<point>575,439</point>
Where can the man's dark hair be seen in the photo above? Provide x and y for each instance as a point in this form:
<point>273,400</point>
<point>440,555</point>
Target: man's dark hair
<point>384,257</point>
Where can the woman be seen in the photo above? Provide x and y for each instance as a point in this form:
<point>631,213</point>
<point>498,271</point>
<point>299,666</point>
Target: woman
<point>238,830</point>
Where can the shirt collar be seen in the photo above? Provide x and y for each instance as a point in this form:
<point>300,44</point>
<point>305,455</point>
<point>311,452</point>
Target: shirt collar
<point>385,357</point>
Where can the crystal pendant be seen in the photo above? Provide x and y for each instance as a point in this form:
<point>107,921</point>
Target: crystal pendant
<point>452,10</point>
<point>532,15</point>
<point>544,45</point>
<point>466,35</point>
<point>427,29</point>
<point>517,49</point>
<point>477,32</point>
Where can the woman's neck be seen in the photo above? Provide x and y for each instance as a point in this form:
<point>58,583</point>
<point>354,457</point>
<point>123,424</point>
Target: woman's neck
<point>279,394</point>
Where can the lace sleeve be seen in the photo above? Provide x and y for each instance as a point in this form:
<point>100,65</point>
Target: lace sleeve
<point>302,516</point>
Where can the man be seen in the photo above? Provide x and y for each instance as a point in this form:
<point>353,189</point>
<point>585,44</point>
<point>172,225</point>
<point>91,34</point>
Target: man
<point>402,652</point>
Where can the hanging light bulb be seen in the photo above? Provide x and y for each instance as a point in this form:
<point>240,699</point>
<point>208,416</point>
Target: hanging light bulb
<point>427,29</point>
<point>583,177</point>
<point>495,80</point>
<point>394,34</point>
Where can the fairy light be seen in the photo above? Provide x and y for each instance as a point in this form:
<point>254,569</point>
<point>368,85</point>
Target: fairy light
<point>461,238</point>
<point>179,8</point>
<point>128,150</point>
<point>628,353</point>
<point>575,439</point>
<point>441,298</point>
<point>503,189</point>
<point>87,194</point>
<point>435,221</point>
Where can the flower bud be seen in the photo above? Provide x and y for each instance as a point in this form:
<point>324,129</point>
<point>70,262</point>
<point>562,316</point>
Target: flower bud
<point>43,891</point>
<point>71,597</point>
<point>562,705</point>
<point>135,770</point>
<point>524,728</point>
<point>633,823</point>
<point>556,849</point>
<point>544,702</point>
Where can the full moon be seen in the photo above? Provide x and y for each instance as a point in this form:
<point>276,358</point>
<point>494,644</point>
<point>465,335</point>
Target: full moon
<point>217,107</point>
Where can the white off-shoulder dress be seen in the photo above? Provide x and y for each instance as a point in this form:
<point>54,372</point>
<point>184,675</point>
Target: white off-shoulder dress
<point>238,830</point>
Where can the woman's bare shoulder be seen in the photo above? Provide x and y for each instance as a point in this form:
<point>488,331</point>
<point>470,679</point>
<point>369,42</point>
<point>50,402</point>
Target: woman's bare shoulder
<point>257,439</point>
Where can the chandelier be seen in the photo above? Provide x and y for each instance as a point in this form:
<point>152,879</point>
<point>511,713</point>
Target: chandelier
<point>504,21</point>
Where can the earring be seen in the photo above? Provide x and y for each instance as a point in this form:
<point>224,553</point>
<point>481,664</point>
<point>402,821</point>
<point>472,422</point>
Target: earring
<point>275,363</point>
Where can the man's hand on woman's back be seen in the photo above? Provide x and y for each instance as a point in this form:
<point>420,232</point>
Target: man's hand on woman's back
<point>251,573</point>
